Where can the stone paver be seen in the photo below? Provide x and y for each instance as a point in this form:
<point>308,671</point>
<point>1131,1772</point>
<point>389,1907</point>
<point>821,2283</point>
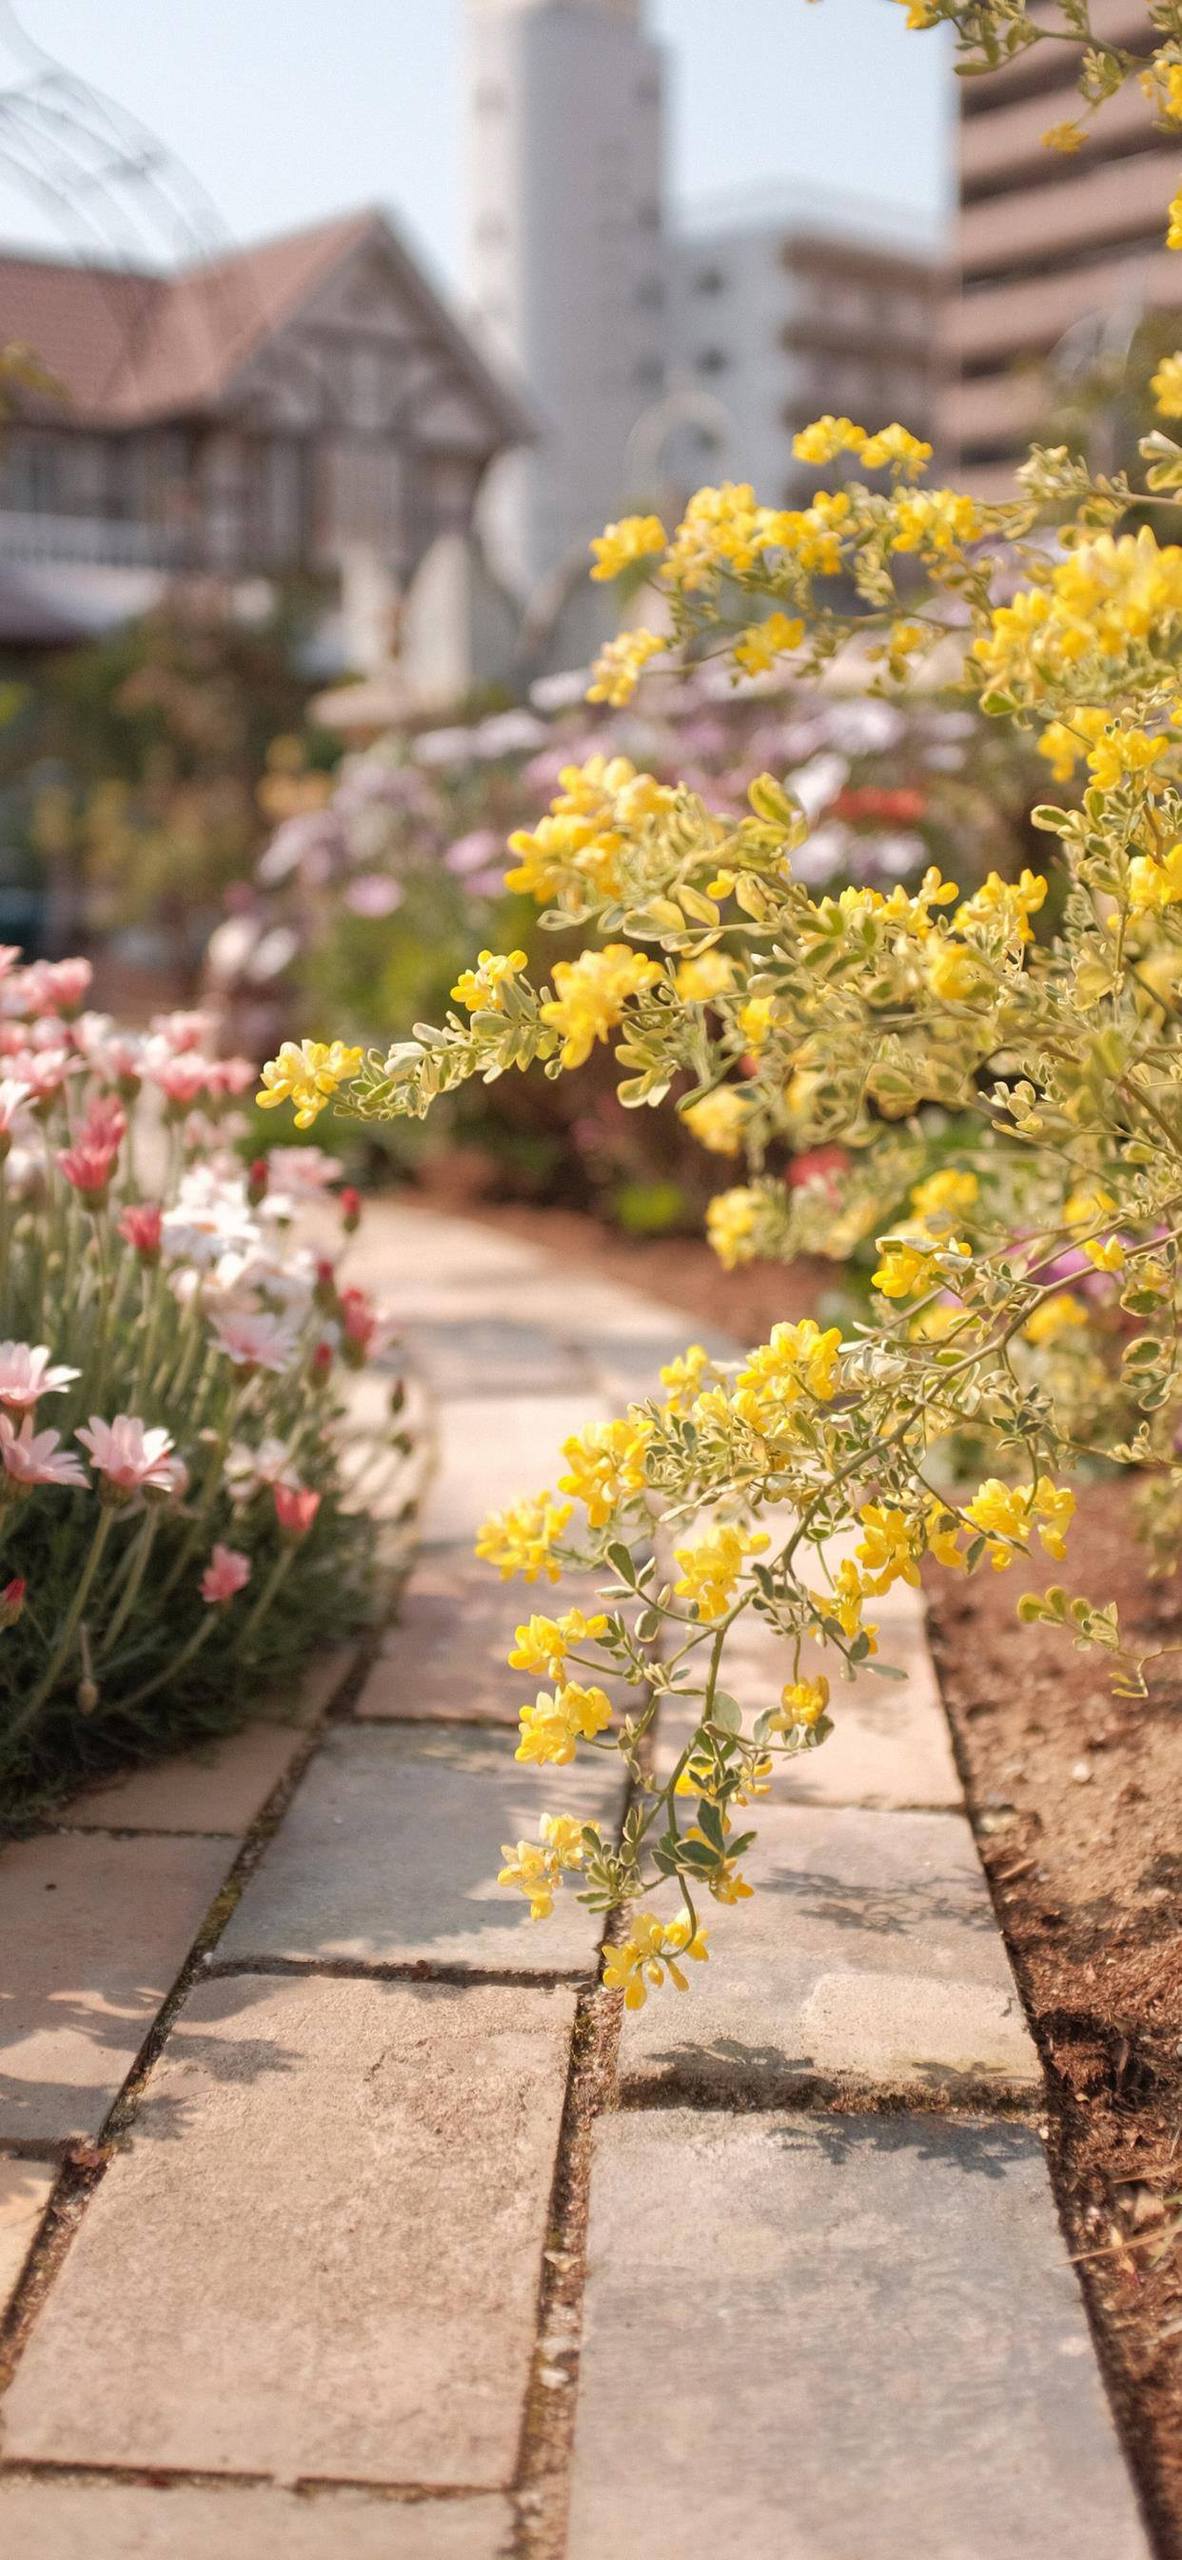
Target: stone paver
<point>496,1355</point>
<point>496,1448</point>
<point>884,2346</point>
<point>319,2256</point>
<point>447,1654</point>
<point>390,1853</point>
<point>94,1933</point>
<point>25,2189</point>
<point>110,2520</point>
<point>868,1955</point>
<point>222,1788</point>
<point>889,1745</point>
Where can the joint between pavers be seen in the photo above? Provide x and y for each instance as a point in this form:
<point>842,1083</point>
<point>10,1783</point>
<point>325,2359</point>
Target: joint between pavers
<point>310,2484</point>
<point>974,2102</point>
<point>541,2480</point>
<point>413,1969</point>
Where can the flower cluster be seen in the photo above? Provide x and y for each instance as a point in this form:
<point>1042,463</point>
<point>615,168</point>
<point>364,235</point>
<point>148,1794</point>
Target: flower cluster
<point>173,1502</point>
<point>999,1068</point>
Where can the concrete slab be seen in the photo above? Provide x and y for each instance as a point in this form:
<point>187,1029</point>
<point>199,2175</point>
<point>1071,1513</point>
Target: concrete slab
<point>221,1788</point>
<point>115,2520</point>
<point>447,1656</point>
<point>390,1852</point>
<point>881,2321</point>
<point>94,1932</point>
<point>869,1956</point>
<point>493,1450</point>
<point>25,2189</point>
<point>890,1743</point>
<point>319,2255</point>
<point>495,1355</point>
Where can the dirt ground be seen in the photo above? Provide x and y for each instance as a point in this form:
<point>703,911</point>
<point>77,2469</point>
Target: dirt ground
<point>1077,1801</point>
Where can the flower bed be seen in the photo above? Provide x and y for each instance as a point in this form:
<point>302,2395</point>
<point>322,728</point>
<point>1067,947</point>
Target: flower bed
<point>178,1525</point>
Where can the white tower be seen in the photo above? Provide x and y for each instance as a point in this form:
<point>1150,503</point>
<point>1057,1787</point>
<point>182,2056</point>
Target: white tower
<point>565,257</point>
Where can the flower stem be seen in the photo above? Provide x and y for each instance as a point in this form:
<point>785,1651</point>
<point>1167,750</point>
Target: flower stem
<point>65,1643</point>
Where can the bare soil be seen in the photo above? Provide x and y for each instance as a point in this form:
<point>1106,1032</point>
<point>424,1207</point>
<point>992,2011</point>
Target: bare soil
<point>1077,1802</point>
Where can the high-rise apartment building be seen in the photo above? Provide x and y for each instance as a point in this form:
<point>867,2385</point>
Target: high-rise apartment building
<point>781,312</point>
<point>1048,243</point>
<point>565,256</point>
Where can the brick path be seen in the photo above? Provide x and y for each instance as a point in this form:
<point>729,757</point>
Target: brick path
<point>376,2248</point>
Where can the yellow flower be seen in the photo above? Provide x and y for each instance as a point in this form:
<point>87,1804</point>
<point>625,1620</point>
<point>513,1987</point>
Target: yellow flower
<point>1174,234</point>
<point>888,1548</point>
<point>307,1073</point>
<point>711,1566</point>
<point>757,649</point>
<point>933,520</point>
<point>1063,137</point>
<point>592,993</point>
<point>1120,752</point>
<point>627,544</point>
<point>1166,387</point>
<point>802,1702</point>
<point>895,449</point>
<point>536,1867</point>
<point>908,1265</point>
<point>1005,1513</point>
<point>520,1539</point>
<point>606,1464</point>
<point>843,1604</point>
<point>1084,1206</point>
<point>717,1120</point>
<point>940,1531</point>
<point>1154,885</point>
<point>1056,1316</point>
<point>554,1724</point>
<point>730,1225</point>
<point>699,980</point>
<point>482,989</point>
<point>620,665</point>
<point>827,438</point>
<point>1109,1256</point>
<point>797,1360</point>
<point>1005,906</point>
<point>954,973</point>
<point>682,1378</point>
<point>542,1644</point>
<point>755,1021</point>
<point>651,1953</point>
<point>944,1195</point>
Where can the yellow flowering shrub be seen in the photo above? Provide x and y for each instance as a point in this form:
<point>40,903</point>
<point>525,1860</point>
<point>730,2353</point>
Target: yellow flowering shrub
<point>1003,1070</point>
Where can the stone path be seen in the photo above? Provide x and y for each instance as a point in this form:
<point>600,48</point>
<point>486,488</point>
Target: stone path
<point>339,2220</point>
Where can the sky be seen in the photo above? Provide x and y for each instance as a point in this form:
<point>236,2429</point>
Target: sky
<point>285,110</point>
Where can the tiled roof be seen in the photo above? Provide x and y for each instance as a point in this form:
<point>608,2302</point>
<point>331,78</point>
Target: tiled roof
<point>131,347</point>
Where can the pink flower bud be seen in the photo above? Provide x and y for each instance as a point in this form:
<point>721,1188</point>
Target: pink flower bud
<point>350,1209</point>
<point>295,1509</point>
<point>227,1572</point>
<point>141,1227</point>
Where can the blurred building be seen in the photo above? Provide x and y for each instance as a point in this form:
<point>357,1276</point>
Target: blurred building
<point>1055,253</point>
<point>565,260</point>
<point>783,313</point>
<point>308,407</point>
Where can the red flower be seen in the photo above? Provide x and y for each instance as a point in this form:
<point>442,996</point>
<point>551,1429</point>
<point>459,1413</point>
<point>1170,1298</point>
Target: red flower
<point>350,1209</point>
<point>140,1226</point>
<point>12,1600</point>
<point>88,1167</point>
<point>257,1180</point>
<point>295,1509</point>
